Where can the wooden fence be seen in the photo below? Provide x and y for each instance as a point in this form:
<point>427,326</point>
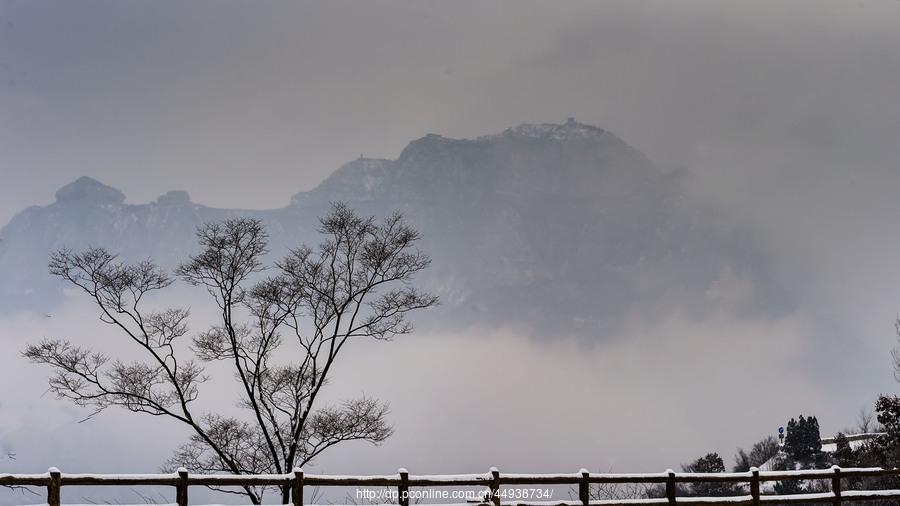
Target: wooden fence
<point>493,480</point>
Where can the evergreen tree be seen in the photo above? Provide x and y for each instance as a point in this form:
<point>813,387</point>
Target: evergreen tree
<point>791,439</point>
<point>803,442</point>
<point>813,436</point>
<point>884,451</point>
<point>802,450</point>
<point>709,463</point>
<point>888,409</point>
<point>844,455</point>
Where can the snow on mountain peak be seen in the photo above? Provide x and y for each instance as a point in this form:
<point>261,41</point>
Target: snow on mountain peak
<point>570,130</point>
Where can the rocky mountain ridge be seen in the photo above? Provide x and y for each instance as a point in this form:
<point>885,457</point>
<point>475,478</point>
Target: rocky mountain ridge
<point>563,226</point>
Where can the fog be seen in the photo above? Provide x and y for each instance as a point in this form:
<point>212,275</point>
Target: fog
<point>786,112</point>
<point>655,396</point>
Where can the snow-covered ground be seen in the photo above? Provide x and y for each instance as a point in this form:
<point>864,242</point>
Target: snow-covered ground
<point>855,440</point>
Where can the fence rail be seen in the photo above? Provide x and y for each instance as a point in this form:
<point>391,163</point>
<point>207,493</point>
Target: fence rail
<point>54,480</point>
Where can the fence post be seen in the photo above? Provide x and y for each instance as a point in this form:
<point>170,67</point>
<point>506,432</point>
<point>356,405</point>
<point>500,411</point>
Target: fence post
<point>754,485</point>
<point>403,488</point>
<point>53,488</point>
<point>297,488</point>
<point>584,487</point>
<point>181,490</point>
<point>670,486</point>
<point>836,485</point>
<point>495,486</point>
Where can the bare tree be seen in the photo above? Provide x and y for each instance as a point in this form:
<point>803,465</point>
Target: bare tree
<point>865,421</point>
<point>615,491</point>
<point>761,452</point>
<point>356,284</point>
<point>620,491</point>
<point>20,488</point>
<point>895,353</point>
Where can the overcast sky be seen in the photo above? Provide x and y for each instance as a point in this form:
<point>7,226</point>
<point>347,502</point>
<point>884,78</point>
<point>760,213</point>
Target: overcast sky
<point>789,113</point>
<point>243,104</point>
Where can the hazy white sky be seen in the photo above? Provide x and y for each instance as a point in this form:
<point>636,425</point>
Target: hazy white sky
<point>787,111</point>
<point>243,104</point>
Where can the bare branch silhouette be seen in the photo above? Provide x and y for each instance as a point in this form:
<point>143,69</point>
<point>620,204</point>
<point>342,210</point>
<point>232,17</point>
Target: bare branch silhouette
<point>355,284</point>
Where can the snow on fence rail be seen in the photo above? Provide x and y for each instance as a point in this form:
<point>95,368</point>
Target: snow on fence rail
<point>53,480</point>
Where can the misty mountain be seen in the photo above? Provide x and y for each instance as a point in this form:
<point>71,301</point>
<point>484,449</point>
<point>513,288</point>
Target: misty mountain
<point>563,226</point>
